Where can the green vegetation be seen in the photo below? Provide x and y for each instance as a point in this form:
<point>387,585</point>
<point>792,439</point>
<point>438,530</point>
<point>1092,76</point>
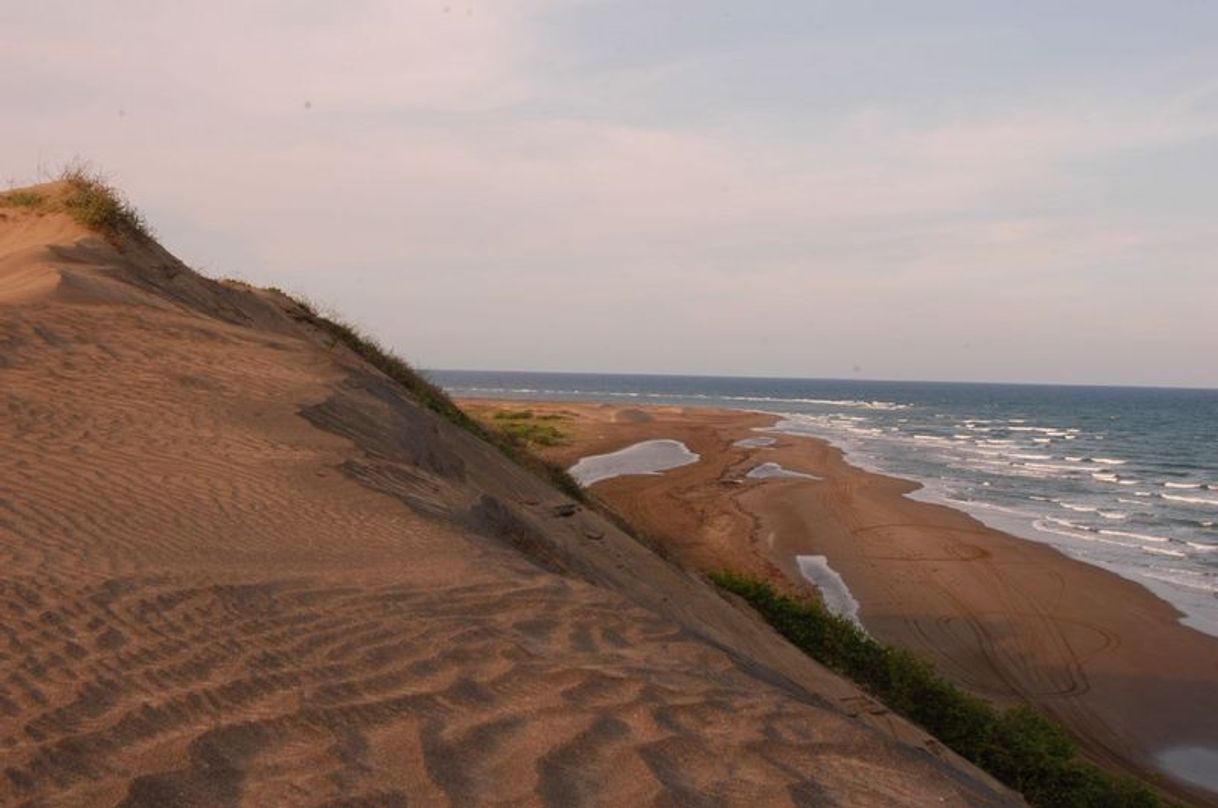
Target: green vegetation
<point>522,425</point>
<point>89,199</point>
<point>96,204</point>
<point>1018,746</point>
<point>23,198</point>
<point>513,415</point>
<point>430,395</point>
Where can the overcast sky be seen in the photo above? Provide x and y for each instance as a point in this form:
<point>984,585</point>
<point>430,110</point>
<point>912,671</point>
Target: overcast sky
<point>996,191</point>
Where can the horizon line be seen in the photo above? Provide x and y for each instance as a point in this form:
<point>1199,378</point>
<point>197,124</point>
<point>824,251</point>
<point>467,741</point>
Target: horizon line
<point>1106,385</point>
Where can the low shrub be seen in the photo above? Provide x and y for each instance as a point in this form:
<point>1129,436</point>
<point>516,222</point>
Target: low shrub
<point>96,204</point>
<point>89,199</point>
<point>513,415</point>
<point>1018,746</point>
<point>22,198</point>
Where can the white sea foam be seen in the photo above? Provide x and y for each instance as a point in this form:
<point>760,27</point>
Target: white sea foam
<point>1055,467</point>
<point>1081,508</point>
<point>646,457</point>
<point>833,589</point>
<point>1163,552</point>
<point>1065,523</point>
<point>1190,500</point>
<point>1182,485</point>
<point>1139,536</point>
<point>1107,537</point>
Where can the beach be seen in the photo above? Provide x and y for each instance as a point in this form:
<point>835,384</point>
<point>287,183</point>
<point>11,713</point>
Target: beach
<point>242,565</point>
<point>1006,618</point>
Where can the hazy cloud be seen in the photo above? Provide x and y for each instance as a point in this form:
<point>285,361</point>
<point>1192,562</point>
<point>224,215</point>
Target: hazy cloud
<point>668,187</point>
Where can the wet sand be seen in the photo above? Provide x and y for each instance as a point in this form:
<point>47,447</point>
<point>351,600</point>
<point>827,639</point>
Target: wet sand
<point>1007,618</point>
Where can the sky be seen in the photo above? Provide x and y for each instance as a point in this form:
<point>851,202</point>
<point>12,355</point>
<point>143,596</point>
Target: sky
<point>974,191</point>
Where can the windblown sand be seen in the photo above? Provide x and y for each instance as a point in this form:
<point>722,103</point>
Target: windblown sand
<point>240,567</point>
<point>1007,618</point>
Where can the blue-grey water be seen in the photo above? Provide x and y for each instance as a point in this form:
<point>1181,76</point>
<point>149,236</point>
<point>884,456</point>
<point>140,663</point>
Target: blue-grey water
<point>1124,478</point>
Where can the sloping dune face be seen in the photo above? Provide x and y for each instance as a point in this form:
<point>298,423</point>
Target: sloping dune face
<point>240,567</point>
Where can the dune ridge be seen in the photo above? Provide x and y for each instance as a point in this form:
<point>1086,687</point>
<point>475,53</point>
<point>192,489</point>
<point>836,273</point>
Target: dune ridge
<point>238,566</point>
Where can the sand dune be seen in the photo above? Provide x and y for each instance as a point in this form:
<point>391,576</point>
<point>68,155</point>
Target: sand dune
<point>1009,619</point>
<point>240,567</point>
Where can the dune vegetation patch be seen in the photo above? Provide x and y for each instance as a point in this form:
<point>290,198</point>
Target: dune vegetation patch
<point>88,197</point>
<point>23,198</point>
<point>531,428</point>
<point>431,396</point>
<point>1019,746</point>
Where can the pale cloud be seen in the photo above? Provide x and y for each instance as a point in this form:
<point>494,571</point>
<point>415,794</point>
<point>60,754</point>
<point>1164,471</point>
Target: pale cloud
<point>447,187</point>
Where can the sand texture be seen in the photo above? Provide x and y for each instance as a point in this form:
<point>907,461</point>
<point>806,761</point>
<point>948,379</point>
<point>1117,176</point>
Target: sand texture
<point>1007,618</point>
<point>239,567</point>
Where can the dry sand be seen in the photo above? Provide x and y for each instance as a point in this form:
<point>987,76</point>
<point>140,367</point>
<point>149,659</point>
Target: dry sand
<point>1005,617</point>
<point>239,567</point>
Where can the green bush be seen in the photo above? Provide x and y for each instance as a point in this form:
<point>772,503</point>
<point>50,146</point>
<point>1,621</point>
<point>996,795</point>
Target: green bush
<point>22,198</point>
<point>90,200</point>
<point>513,415</point>
<point>99,206</point>
<point>1018,746</point>
<point>520,425</point>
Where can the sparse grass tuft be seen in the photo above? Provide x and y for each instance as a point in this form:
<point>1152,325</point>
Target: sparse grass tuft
<point>430,395</point>
<point>513,415</point>
<point>96,204</point>
<point>89,199</point>
<point>1019,746</point>
<point>520,424</point>
<point>23,198</point>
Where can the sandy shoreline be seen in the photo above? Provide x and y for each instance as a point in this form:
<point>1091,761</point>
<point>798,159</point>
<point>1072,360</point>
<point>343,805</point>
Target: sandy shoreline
<point>242,566</point>
<point>1006,617</point>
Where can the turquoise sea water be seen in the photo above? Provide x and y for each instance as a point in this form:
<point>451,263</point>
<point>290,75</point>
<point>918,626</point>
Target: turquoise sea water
<point>1124,478</point>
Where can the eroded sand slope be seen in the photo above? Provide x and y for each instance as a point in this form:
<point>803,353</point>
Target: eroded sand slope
<point>240,567</point>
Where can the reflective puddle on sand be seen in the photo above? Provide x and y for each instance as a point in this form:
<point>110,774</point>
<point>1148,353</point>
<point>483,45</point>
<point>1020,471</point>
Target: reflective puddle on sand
<point>833,591</point>
<point>766,470</point>
<point>754,443</point>
<point>647,457</point>
<point>1192,764</point>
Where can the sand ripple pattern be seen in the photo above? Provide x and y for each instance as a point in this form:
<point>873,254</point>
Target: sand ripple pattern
<point>200,608</point>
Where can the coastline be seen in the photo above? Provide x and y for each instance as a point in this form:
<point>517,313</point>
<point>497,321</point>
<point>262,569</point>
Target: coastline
<point>1005,617</point>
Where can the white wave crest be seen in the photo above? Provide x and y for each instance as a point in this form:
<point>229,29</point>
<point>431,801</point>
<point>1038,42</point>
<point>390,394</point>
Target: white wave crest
<point>1139,536</point>
<point>1190,500</point>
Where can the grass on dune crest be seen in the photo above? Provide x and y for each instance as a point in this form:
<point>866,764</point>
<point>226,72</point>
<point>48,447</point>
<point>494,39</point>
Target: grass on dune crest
<point>512,443</point>
<point>1019,746</point>
<point>88,197</point>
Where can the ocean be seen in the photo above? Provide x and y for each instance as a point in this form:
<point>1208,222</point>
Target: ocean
<point>1124,478</point>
